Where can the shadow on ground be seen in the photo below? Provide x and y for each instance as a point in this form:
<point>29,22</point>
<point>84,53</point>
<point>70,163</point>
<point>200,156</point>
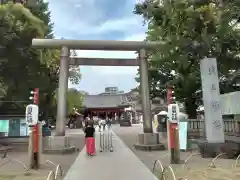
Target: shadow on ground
<point>15,171</point>
<point>128,136</point>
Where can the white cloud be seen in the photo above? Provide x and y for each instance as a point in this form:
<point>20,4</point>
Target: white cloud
<point>126,24</point>
<point>111,70</point>
<point>136,37</point>
<point>81,22</point>
<point>78,13</point>
<point>122,24</point>
<point>84,22</point>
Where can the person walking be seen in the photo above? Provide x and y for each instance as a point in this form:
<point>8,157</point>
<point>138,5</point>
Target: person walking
<point>90,139</point>
<point>109,123</point>
<point>103,124</point>
<point>99,125</point>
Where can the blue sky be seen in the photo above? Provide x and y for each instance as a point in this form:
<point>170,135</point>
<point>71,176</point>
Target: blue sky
<point>99,20</point>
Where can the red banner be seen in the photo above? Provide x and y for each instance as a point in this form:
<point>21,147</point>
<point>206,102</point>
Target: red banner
<point>172,126</point>
<point>169,96</point>
<point>35,138</point>
<point>36,94</point>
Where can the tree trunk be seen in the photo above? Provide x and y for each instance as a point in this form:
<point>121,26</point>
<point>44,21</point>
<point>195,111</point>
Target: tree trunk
<point>191,107</point>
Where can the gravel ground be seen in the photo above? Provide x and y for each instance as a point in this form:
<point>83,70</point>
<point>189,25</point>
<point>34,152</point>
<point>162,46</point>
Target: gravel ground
<point>128,136</point>
<point>15,171</point>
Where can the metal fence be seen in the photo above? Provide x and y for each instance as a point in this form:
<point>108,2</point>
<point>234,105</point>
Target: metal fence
<point>106,141</point>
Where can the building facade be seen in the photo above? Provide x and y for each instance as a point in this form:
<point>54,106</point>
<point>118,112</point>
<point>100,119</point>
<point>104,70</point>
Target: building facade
<point>111,91</point>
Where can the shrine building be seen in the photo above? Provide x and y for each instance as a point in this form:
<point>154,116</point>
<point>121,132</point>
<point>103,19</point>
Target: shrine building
<point>103,106</point>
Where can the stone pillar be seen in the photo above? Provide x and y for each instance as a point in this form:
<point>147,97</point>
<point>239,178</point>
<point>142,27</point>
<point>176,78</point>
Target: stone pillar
<point>212,109</point>
<point>62,92</point>
<point>144,87</point>
<point>148,140</point>
<point>60,144</point>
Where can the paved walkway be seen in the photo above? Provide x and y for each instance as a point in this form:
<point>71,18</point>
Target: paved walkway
<point>122,164</point>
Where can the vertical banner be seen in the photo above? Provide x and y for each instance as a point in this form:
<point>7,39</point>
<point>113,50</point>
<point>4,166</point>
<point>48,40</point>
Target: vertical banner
<point>211,100</point>
<point>35,134</point>
<point>169,96</point>
<point>169,101</point>
<point>183,135</point>
<point>172,126</point>
<point>36,94</point>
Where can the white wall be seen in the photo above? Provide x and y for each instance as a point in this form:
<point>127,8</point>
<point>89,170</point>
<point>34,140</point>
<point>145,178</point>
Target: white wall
<point>230,103</point>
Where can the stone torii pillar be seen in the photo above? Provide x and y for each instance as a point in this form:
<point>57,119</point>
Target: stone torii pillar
<point>144,87</point>
<point>146,140</point>
<point>62,92</point>
<point>60,143</point>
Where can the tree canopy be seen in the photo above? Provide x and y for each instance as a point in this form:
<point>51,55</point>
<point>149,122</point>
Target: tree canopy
<point>23,67</point>
<point>191,30</point>
<point>75,100</point>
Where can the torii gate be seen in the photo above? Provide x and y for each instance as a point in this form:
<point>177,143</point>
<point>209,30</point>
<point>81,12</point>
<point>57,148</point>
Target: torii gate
<point>66,45</point>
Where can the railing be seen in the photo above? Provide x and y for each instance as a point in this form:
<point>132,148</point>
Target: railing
<point>196,128</point>
<point>231,127</point>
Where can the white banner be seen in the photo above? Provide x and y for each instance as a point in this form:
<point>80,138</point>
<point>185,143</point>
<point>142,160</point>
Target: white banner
<point>32,114</point>
<point>173,113</point>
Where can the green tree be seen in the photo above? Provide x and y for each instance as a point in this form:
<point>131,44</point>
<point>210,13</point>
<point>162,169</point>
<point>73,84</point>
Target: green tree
<point>74,71</point>
<point>23,67</point>
<point>17,23</point>
<point>74,100</point>
<point>190,31</point>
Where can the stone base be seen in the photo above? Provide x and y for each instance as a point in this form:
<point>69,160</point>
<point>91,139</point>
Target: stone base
<point>57,145</point>
<point>125,124</point>
<point>211,150</point>
<point>192,145</point>
<point>163,135</point>
<point>134,121</point>
<point>148,142</point>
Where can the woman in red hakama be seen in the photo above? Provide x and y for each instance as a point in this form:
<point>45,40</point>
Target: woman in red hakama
<point>90,140</point>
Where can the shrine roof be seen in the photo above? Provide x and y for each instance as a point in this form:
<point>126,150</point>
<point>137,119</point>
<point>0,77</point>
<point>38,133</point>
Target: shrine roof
<point>103,101</point>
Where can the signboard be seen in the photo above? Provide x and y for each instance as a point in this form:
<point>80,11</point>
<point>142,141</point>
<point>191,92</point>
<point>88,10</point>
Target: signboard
<point>173,113</point>
<point>211,100</point>
<point>32,114</point>
<point>183,135</point>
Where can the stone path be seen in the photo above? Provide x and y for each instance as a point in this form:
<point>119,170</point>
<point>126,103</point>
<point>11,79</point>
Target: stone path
<point>122,164</point>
